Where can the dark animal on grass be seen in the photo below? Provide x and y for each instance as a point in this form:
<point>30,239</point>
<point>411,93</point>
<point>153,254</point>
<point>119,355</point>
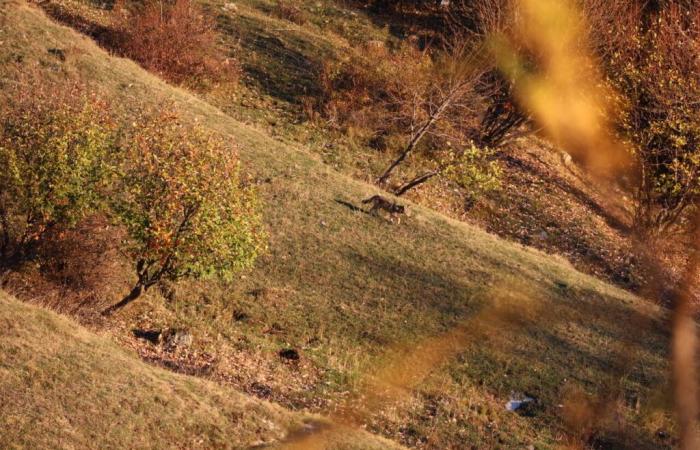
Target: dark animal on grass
<point>380,203</point>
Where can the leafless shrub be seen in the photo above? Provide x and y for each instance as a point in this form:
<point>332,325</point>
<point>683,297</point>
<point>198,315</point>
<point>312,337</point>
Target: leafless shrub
<point>432,101</point>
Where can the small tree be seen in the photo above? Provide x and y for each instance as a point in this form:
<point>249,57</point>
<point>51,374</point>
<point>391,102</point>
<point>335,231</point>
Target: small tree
<point>179,197</point>
<point>442,104</point>
<point>53,144</point>
<point>658,77</point>
<point>449,109</point>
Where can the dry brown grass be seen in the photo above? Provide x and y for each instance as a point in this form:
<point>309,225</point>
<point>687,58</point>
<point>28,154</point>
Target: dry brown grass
<point>79,390</point>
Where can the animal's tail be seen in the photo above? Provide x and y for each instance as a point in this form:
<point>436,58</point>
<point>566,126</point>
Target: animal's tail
<point>349,205</point>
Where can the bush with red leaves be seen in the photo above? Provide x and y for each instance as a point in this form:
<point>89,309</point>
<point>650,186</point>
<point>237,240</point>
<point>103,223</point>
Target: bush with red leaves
<point>175,39</point>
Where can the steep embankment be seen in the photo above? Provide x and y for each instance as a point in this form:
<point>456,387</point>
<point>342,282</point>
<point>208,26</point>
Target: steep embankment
<point>345,289</point>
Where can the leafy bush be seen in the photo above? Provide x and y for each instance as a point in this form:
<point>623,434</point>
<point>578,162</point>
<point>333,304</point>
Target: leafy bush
<point>657,75</point>
<point>173,38</point>
<point>72,189</point>
<point>53,146</point>
<point>476,171</point>
<point>179,197</point>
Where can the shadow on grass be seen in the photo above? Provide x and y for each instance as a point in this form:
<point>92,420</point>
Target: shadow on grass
<point>580,196</point>
<point>281,69</point>
<point>423,20</point>
<point>104,36</point>
<point>546,352</point>
<point>417,289</point>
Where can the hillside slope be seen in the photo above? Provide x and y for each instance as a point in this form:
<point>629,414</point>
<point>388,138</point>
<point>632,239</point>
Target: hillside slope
<point>64,387</point>
<point>61,384</point>
<point>350,292</point>
<point>544,201</point>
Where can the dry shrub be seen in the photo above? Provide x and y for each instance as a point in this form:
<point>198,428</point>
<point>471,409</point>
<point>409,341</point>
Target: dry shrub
<point>85,258</point>
<point>656,73</point>
<point>78,270</point>
<point>610,26</point>
<point>175,39</point>
<point>290,12</point>
<point>415,101</point>
<point>360,92</point>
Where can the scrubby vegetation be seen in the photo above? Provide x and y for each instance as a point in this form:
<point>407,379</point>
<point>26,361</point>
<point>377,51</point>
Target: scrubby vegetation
<point>173,38</point>
<point>656,74</point>
<point>410,101</point>
<point>54,145</point>
<point>650,59</point>
<point>177,39</point>
<point>174,189</point>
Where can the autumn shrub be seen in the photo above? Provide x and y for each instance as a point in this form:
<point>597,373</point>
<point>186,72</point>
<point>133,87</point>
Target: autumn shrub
<point>649,54</point>
<point>356,89</point>
<point>80,197</point>
<point>174,38</point>
<point>179,198</point>
<point>54,141</point>
<point>657,78</point>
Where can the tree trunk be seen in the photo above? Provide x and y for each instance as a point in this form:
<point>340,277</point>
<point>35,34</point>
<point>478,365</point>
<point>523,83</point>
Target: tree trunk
<point>409,148</point>
<point>133,295</point>
<point>415,182</point>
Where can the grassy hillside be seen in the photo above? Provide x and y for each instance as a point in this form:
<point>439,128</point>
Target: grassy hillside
<point>544,202</point>
<point>63,386</point>
<point>480,317</point>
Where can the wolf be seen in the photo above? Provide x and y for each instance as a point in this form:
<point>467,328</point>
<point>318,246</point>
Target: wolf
<point>378,203</point>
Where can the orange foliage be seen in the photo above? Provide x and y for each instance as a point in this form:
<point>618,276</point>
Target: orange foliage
<point>174,39</point>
